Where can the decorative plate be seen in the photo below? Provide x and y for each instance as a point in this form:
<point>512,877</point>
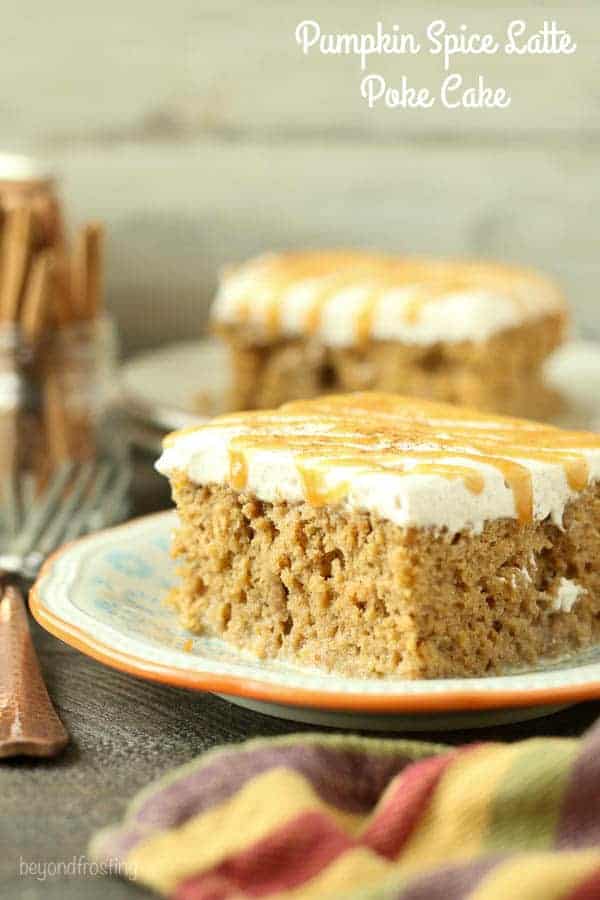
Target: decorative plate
<point>155,394</point>
<point>103,595</point>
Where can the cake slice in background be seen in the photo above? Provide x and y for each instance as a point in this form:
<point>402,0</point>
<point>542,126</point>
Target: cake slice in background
<point>304,324</point>
<point>378,535</point>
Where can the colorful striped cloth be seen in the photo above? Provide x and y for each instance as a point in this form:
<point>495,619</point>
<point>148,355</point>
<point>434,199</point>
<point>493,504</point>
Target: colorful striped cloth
<point>312,816</point>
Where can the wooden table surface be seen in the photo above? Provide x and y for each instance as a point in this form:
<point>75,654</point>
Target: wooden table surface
<point>125,732</point>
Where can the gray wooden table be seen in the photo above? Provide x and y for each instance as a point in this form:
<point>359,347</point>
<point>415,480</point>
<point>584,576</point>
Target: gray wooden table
<point>124,733</point>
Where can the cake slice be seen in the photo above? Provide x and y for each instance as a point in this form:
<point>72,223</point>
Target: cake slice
<point>473,333</point>
<point>374,535</point>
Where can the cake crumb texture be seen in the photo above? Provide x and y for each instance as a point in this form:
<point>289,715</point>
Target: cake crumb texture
<point>347,591</point>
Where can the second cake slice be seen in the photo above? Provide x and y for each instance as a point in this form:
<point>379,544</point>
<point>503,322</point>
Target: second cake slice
<point>458,331</point>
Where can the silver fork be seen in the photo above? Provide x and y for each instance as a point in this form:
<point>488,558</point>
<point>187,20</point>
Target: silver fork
<point>78,499</point>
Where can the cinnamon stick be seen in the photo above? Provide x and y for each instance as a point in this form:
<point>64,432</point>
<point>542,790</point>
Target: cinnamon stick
<point>87,271</point>
<point>15,259</point>
<point>61,310</point>
<point>95,259</point>
<point>36,305</point>
<point>56,420</point>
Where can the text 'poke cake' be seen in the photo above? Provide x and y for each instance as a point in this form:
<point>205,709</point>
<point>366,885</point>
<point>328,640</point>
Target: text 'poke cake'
<point>303,324</point>
<point>375,534</point>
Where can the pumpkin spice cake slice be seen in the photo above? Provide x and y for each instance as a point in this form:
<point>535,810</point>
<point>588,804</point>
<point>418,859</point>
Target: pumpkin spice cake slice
<point>303,324</point>
<point>374,534</point>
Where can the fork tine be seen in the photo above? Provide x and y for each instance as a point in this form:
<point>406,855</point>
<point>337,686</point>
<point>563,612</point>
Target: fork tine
<point>79,524</point>
<point>68,511</point>
<point>42,512</point>
<point>28,490</point>
<point>108,510</point>
<point>12,505</point>
<point>79,498</point>
<point>115,498</point>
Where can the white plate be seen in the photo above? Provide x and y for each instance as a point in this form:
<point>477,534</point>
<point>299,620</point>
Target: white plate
<point>104,595</point>
<point>177,385</point>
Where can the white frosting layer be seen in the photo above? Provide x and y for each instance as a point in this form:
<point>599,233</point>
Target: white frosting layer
<point>423,499</point>
<point>567,595</point>
<point>480,307</point>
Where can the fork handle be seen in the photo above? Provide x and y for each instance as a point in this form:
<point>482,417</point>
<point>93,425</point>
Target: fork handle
<point>29,724</point>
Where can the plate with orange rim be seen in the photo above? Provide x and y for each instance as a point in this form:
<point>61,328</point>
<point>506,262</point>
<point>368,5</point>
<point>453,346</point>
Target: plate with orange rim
<point>104,595</point>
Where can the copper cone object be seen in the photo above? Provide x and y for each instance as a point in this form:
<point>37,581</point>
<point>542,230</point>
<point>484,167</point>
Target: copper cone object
<point>28,723</point>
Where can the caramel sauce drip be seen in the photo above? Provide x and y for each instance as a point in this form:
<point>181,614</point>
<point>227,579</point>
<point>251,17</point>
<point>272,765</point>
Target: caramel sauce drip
<point>429,293</point>
<point>317,492</point>
<point>315,489</point>
<point>333,271</point>
<point>238,469</point>
<point>384,433</point>
<point>273,319</point>
<point>332,285</point>
<point>363,323</point>
<point>473,480</point>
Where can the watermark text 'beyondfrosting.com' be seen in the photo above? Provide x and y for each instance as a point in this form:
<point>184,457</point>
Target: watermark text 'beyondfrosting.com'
<point>75,867</point>
<point>437,40</point>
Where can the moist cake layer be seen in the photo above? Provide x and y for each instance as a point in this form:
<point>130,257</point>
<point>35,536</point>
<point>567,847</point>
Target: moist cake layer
<point>411,462</point>
<point>345,298</point>
<point>501,374</point>
<point>345,590</point>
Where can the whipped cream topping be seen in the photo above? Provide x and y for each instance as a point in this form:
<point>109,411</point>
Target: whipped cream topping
<point>412,462</point>
<point>345,297</point>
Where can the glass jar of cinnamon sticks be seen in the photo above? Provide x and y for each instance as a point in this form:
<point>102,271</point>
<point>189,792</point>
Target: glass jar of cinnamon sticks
<point>57,346</point>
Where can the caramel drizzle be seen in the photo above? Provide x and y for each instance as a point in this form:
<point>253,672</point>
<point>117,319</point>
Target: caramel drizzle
<point>315,489</point>
<point>273,318</point>
<point>432,280</point>
<point>313,469</point>
<point>473,480</point>
<point>363,323</point>
<point>334,285</point>
<point>429,293</point>
<point>516,475</point>
<point>374,432</point>
<point>238,469</point>
<point>317,492</point>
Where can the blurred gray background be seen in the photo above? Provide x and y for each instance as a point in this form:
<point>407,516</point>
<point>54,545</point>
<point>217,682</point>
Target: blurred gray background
<point>199,132</point>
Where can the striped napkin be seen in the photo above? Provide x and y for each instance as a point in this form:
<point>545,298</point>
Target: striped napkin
<point>313,816</point>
